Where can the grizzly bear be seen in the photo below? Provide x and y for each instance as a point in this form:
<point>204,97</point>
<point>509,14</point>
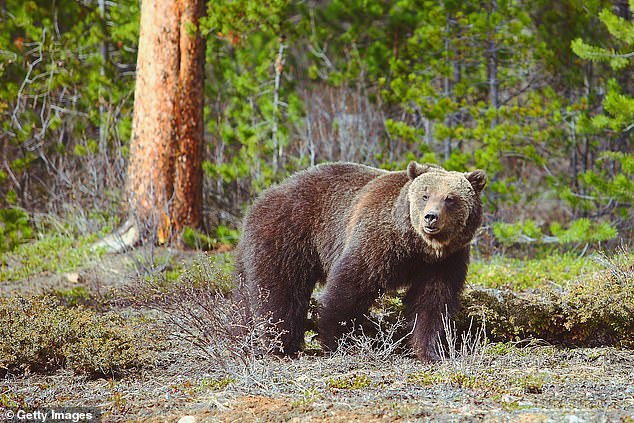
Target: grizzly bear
<point>361,231</point>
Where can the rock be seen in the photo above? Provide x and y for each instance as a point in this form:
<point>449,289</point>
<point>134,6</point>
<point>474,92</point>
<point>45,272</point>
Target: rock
<point>72,277</point>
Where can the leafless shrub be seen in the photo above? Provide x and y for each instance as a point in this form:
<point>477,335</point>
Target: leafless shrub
<point>464,350</point>
<point>71,160</point>
<point>202,309</point>
<point>383,334</point>
<point>341,124</point>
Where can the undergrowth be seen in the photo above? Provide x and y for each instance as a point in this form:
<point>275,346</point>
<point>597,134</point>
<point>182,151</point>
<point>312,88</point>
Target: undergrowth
<point>204,308</point>
<point>594,310</point>
<point>39,334</point>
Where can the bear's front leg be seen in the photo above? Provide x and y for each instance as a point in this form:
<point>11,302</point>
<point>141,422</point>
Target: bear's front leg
<point>429,298</point>
<point>425,305</point>
<point>346,298</point>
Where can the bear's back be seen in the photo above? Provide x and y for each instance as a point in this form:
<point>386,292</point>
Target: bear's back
<point>309,210</point>
<point>322,190</point>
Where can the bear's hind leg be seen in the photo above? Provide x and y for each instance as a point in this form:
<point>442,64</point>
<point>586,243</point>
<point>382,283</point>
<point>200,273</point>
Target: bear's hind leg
<point>283,298</point>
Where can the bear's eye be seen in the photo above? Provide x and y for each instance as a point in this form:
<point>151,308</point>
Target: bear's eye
<point>450,200</point>
<point>425,197</point>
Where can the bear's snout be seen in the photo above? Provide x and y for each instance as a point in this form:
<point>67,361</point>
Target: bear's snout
<point>431,217</point>
<point>432,222</point>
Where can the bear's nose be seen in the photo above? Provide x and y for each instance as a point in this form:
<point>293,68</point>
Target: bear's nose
<point>431,217</point>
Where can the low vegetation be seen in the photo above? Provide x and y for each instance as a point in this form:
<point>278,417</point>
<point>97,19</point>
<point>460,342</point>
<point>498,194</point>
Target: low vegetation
<point>596,308</point>
<point>546,269</point>
<point>38,334</point>
<point>51,253</point>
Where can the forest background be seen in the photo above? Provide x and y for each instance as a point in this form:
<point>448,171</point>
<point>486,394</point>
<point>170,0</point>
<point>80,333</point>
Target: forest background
<point>538,94</point>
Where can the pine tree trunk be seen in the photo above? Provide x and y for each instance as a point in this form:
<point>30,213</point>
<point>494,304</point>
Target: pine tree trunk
<point>154,130</point>
<point>187,209</point>
<point>164,180</point>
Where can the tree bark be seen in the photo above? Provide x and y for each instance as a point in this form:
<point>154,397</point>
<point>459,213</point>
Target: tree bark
<point>150,175</point>
<point>164,178</point>
<point>187,209</point>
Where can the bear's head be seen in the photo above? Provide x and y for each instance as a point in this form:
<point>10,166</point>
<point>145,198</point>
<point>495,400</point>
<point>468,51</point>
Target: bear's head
<point>445,208</point>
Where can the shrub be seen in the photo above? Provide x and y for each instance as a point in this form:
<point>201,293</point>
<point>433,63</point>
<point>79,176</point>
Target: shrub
<point>14,228</point>
<point>40,334</point>
<point>205,309</point>
<point>598,310</point>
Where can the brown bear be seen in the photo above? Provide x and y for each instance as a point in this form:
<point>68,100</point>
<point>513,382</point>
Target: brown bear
<point>361,231</point>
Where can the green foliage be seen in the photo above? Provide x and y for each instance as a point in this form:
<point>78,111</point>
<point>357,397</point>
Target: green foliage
<point>552,268</point>
<point>203,275</point>
<point>495,86</point>
<point>215,384</point>
<point>238,18</point>
<point>39,334</point>
<point>532,383</point>
<point>309,396</point>
<point>223,236</point>
<point>196,239</point>
<point>579,230</point>
<point>227,235</point>
<point>442,80</point>
<point>255,121</point>
<point>584,230</point>
<point>611,182</point>
<point>15,228</point>
<point>57,90</point>
<point>81,296</point>
<point>423,377</point>
<point>621,29</point>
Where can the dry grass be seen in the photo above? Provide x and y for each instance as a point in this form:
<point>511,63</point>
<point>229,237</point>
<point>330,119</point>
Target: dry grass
<point>203,309</point>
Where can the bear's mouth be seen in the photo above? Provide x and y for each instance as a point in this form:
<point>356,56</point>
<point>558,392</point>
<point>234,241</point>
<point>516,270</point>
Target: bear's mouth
<point>431,230</point>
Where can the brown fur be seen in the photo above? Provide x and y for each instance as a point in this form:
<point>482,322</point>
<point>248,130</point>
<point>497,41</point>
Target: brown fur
<point>361,231</point>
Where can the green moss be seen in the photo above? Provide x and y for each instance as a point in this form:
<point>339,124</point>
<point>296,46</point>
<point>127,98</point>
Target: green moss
<point>40,334</point>
<point>463,380</point>
<point>75,296</point>
<point>423,377</point>
<point>349,382</point>
<point>595,310</point>
<point>215,384</point>
<point>532,383</point>
<point>514,273</point>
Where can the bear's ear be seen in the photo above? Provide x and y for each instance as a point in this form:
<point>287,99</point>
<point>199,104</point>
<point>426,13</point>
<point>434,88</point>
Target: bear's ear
<point>415,169</point>
<point>477,179</point>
